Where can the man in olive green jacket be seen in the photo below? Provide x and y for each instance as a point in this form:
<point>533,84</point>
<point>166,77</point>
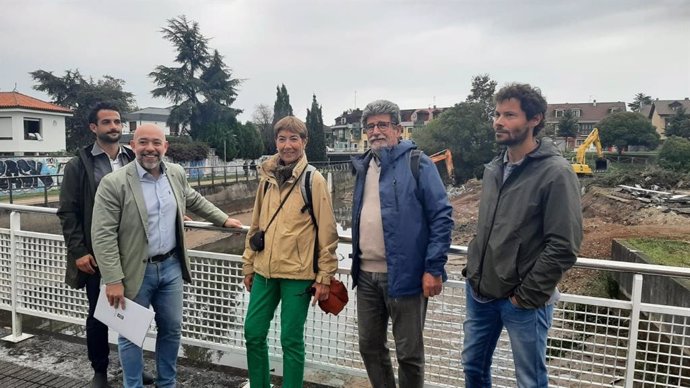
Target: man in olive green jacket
<point>139,246</point>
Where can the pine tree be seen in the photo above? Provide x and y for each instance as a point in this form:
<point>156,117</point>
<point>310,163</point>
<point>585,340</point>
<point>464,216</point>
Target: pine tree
<point>201,88</point>
<point>281,108</point>
<point>316,145</point>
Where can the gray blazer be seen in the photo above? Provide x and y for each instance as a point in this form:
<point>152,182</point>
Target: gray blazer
<point>120,224</point>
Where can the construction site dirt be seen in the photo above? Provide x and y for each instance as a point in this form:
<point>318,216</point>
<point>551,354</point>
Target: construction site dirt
<point>605,219</point>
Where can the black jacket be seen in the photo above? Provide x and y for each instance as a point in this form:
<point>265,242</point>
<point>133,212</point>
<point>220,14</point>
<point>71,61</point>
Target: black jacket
<point>530,228</point>
<point>77,192</point>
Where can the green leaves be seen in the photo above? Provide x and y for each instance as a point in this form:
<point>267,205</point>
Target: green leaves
<point>624,129</point>
<point>201,88</point>
<point>80,94</point>
<point>464,130</point>
<point>316,145</point>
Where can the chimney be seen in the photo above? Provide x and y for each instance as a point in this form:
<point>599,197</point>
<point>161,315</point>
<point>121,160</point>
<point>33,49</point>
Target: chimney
<point>594,102</point>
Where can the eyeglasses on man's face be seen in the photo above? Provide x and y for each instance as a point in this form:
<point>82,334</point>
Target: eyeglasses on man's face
<point>382,125</point>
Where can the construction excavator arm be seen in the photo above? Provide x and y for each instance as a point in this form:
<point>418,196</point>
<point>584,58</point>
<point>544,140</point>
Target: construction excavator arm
<point>447,156</point>
<point>580,166</point>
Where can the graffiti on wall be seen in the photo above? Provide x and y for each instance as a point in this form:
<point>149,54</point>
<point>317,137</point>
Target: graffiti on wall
<point>27,175</point>
<point>197,172</point>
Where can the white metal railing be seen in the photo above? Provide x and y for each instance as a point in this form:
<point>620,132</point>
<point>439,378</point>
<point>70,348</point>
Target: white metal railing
<point>594,342</point>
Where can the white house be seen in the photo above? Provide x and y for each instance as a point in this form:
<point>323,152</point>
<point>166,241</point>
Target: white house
<point>29,126</point>
<point>150,115</point>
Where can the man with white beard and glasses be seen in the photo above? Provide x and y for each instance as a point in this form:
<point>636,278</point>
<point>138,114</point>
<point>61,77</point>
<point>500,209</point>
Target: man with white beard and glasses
<point>401,226</point>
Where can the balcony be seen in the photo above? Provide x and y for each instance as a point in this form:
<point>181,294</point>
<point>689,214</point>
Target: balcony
<point>594,342</point>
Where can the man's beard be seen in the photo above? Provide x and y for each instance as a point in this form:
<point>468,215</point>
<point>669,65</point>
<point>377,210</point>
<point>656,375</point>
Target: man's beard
<point>518,139</point>
<point>106,138</point>
<point>149,165</point>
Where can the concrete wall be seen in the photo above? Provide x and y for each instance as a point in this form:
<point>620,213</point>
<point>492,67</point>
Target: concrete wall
<point>655,289</point>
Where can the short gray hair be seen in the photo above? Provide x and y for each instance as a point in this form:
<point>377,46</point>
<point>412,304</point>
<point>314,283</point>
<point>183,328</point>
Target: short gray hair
<point>381,107</point>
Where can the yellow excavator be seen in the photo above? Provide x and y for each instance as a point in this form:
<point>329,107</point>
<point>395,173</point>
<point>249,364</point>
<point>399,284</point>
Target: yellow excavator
<point>446,156</point>
<point>601,164</point>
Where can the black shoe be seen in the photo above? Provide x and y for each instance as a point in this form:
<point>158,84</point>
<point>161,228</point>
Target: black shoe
<point>147,378</point>
<point>100,380</point>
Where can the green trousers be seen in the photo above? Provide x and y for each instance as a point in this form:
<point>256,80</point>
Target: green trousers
<point>263,300</point>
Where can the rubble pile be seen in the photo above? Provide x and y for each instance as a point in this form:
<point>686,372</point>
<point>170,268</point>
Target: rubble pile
<point>677,202</point>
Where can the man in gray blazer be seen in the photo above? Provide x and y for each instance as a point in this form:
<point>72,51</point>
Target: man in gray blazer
<point>137,234</point>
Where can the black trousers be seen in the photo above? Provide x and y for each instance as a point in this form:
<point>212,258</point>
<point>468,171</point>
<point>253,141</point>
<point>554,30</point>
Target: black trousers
<point>96,332</point>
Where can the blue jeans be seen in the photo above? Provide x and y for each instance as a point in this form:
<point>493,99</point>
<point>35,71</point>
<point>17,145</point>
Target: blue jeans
<point>162,289</point>
<point>527,330</point>
<point>374,308</point>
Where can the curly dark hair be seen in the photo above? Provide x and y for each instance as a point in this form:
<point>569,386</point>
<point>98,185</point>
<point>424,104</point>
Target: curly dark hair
<point>532,102</point>
<point>104,105</point>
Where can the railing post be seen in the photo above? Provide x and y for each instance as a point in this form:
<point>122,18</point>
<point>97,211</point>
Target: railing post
<point>17,335</point>
<point>636,299</point>
<point>45,195</point>
<point>9,186</point>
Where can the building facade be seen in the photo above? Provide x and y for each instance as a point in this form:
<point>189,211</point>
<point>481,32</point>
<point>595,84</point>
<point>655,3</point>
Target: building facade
<point>29,126</point>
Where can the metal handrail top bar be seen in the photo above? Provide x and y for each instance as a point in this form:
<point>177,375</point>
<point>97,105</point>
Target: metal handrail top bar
<point>582,262</point>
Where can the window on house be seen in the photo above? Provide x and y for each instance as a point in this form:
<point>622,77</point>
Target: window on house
<point>5,128</point>
<point>32,129</point>
<point>132,126</point>
<point>577,112</point>
<point>558,113</point>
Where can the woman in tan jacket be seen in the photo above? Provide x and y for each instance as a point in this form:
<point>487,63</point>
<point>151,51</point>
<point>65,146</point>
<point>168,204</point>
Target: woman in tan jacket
<point>280,252</point>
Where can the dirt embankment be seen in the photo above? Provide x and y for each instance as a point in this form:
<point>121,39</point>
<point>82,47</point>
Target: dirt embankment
<point>605,219</point>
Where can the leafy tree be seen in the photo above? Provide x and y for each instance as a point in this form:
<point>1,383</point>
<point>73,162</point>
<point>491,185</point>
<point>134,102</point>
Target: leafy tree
<point>465,131</point>
<point>482,92</point>
<point>679,125</point>
<point>249,141</point>
<point>223,138</point>
<point>281,108</point>
<point>263,121</point>
<point>183,149</point>
<point>568,125</point>
<point>201,88</point>
<point>316,146</point>
<point>622,129</point>
<point>639,100</point>
<point>75,92</point>
<point>675,154</point>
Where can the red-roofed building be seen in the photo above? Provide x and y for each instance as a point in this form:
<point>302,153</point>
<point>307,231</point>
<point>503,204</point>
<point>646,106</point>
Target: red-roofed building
<point>29,126</point>
<point>588,115</point>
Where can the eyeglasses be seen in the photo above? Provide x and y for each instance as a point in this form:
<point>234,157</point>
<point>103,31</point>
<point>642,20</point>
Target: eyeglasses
<point>383,125</point>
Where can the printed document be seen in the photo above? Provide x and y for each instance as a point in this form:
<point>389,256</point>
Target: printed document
<point>132,323</point>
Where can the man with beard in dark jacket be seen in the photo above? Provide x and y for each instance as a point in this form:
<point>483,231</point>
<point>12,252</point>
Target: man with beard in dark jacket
<point>78,189</point>
<point>528,235</point>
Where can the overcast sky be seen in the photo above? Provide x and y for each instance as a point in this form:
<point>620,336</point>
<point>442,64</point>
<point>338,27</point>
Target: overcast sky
<point>416,53</point>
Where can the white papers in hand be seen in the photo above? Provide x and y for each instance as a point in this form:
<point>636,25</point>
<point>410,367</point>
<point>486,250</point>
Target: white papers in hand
<point>132,323</point>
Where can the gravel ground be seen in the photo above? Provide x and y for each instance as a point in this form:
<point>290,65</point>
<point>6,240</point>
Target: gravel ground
<point>66,356</point>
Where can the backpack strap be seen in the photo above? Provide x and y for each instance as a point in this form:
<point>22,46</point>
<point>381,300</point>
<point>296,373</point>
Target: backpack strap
<point>305,187</point>
<point>414,163</point>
